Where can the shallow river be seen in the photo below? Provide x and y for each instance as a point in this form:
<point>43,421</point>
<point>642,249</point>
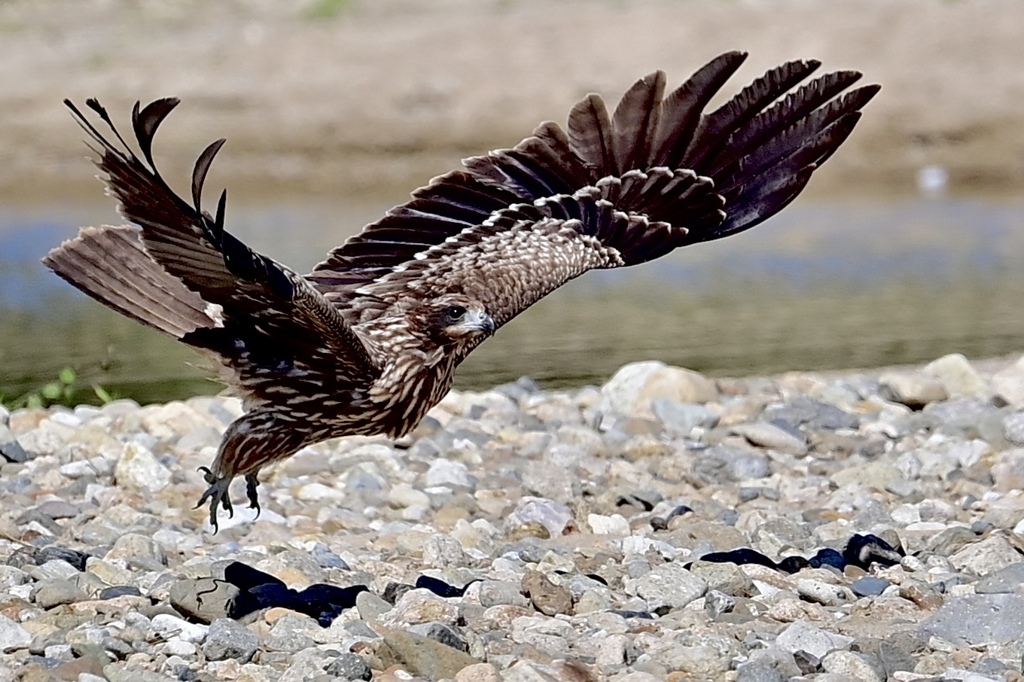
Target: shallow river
<point>830,284</point>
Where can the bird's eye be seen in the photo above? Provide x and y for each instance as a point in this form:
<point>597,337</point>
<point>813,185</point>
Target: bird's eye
<point>454,312</point>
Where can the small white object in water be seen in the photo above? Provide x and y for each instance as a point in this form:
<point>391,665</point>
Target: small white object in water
<point>932,180</point>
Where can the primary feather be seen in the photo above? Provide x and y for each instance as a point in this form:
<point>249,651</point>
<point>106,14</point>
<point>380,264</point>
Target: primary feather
<point>368,341</point>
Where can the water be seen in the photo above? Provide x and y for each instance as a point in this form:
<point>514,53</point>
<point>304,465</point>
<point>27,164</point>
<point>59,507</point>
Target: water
<point>827,284</point>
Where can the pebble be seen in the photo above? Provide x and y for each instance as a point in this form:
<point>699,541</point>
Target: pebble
<point>802,636</point>
<point>138,469</point>
<point>227,639</point>
<point>558,527</point>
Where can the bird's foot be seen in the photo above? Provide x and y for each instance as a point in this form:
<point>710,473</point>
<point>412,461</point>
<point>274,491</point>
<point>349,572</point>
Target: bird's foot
<point>250,490</point>
<point>217,493</point>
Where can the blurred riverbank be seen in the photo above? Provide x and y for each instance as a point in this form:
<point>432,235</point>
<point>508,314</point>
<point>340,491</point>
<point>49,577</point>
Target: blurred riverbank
<point>351,96</point>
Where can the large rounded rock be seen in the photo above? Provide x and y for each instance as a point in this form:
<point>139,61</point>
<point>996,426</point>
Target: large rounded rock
<point>634,386</point>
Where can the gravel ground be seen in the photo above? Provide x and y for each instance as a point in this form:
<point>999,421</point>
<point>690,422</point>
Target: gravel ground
<point>528,535</point>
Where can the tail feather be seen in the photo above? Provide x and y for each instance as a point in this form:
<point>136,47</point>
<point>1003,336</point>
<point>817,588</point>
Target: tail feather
<point>111,265</point>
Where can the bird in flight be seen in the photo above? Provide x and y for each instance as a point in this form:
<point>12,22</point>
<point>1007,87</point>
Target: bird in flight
<point>368,341</point>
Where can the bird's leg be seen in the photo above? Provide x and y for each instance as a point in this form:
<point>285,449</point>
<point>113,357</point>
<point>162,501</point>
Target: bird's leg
<point>217,493</point>
<point>250,490</point>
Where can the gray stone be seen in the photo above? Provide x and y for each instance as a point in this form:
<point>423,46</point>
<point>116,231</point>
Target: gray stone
<point>1013,428</point>
<point>326,558</point>
<point>444,551</point>
<point>912,389</point>
<point>495,592</point>
<point>203,599</point>
<point>10,448</point>
<point>449,473</point>
<point>978,619</point>
<point>683,417</point>
<point>350,667</point>
<point>370,606</point>
<point>667,586</point>
<point>716,603</point>
<point>1008,384</point>
<point>772,437</point>
<point>821,592</point>
<point>1003,581</point>
<point>440,632</point>
<point>631,390</point>
<point>12,635</point>
<point>801,636</point>
<point>852,665</point>
<point>989,555</point>
<point>310,665</point>
<point>724,577</point>
<point>288,633</point>
<point>810,414</point>
<point>167,626</point>
<point>139,469</point>
<point>759,671</point>
<point>723,464</point>
<point>56,591</point>
<point>227,638</point>
<point>135,546</point>
<point>553,516</point>
<point>869,586</point>
<point>958,376</point>
<point>423,656</point>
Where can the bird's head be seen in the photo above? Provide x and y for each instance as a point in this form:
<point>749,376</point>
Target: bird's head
<point>455,319</point>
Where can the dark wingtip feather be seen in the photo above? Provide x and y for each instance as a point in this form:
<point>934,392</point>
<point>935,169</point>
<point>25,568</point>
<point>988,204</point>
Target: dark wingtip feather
<point>146,122</point>
<point>200,170</point>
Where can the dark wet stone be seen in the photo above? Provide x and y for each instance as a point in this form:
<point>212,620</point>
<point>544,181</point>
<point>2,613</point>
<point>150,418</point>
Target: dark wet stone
<point>119,591</point>
<point>869,586</point>
<point>743,555</point>
<point>440,587</point>
<point>626,613</point>
<point>73,557</point>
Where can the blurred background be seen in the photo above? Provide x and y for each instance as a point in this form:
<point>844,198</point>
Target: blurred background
<point>906,246</point>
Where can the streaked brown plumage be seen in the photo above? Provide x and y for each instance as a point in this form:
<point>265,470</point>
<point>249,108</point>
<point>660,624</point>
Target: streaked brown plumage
<point>367,342</point>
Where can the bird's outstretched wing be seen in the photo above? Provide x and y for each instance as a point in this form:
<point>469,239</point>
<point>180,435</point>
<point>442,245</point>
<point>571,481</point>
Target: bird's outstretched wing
<point>609,190</point>
<point>270,320</point>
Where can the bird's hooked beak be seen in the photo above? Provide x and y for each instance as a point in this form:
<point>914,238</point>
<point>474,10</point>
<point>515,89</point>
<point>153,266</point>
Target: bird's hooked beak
<point>481,321</point>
